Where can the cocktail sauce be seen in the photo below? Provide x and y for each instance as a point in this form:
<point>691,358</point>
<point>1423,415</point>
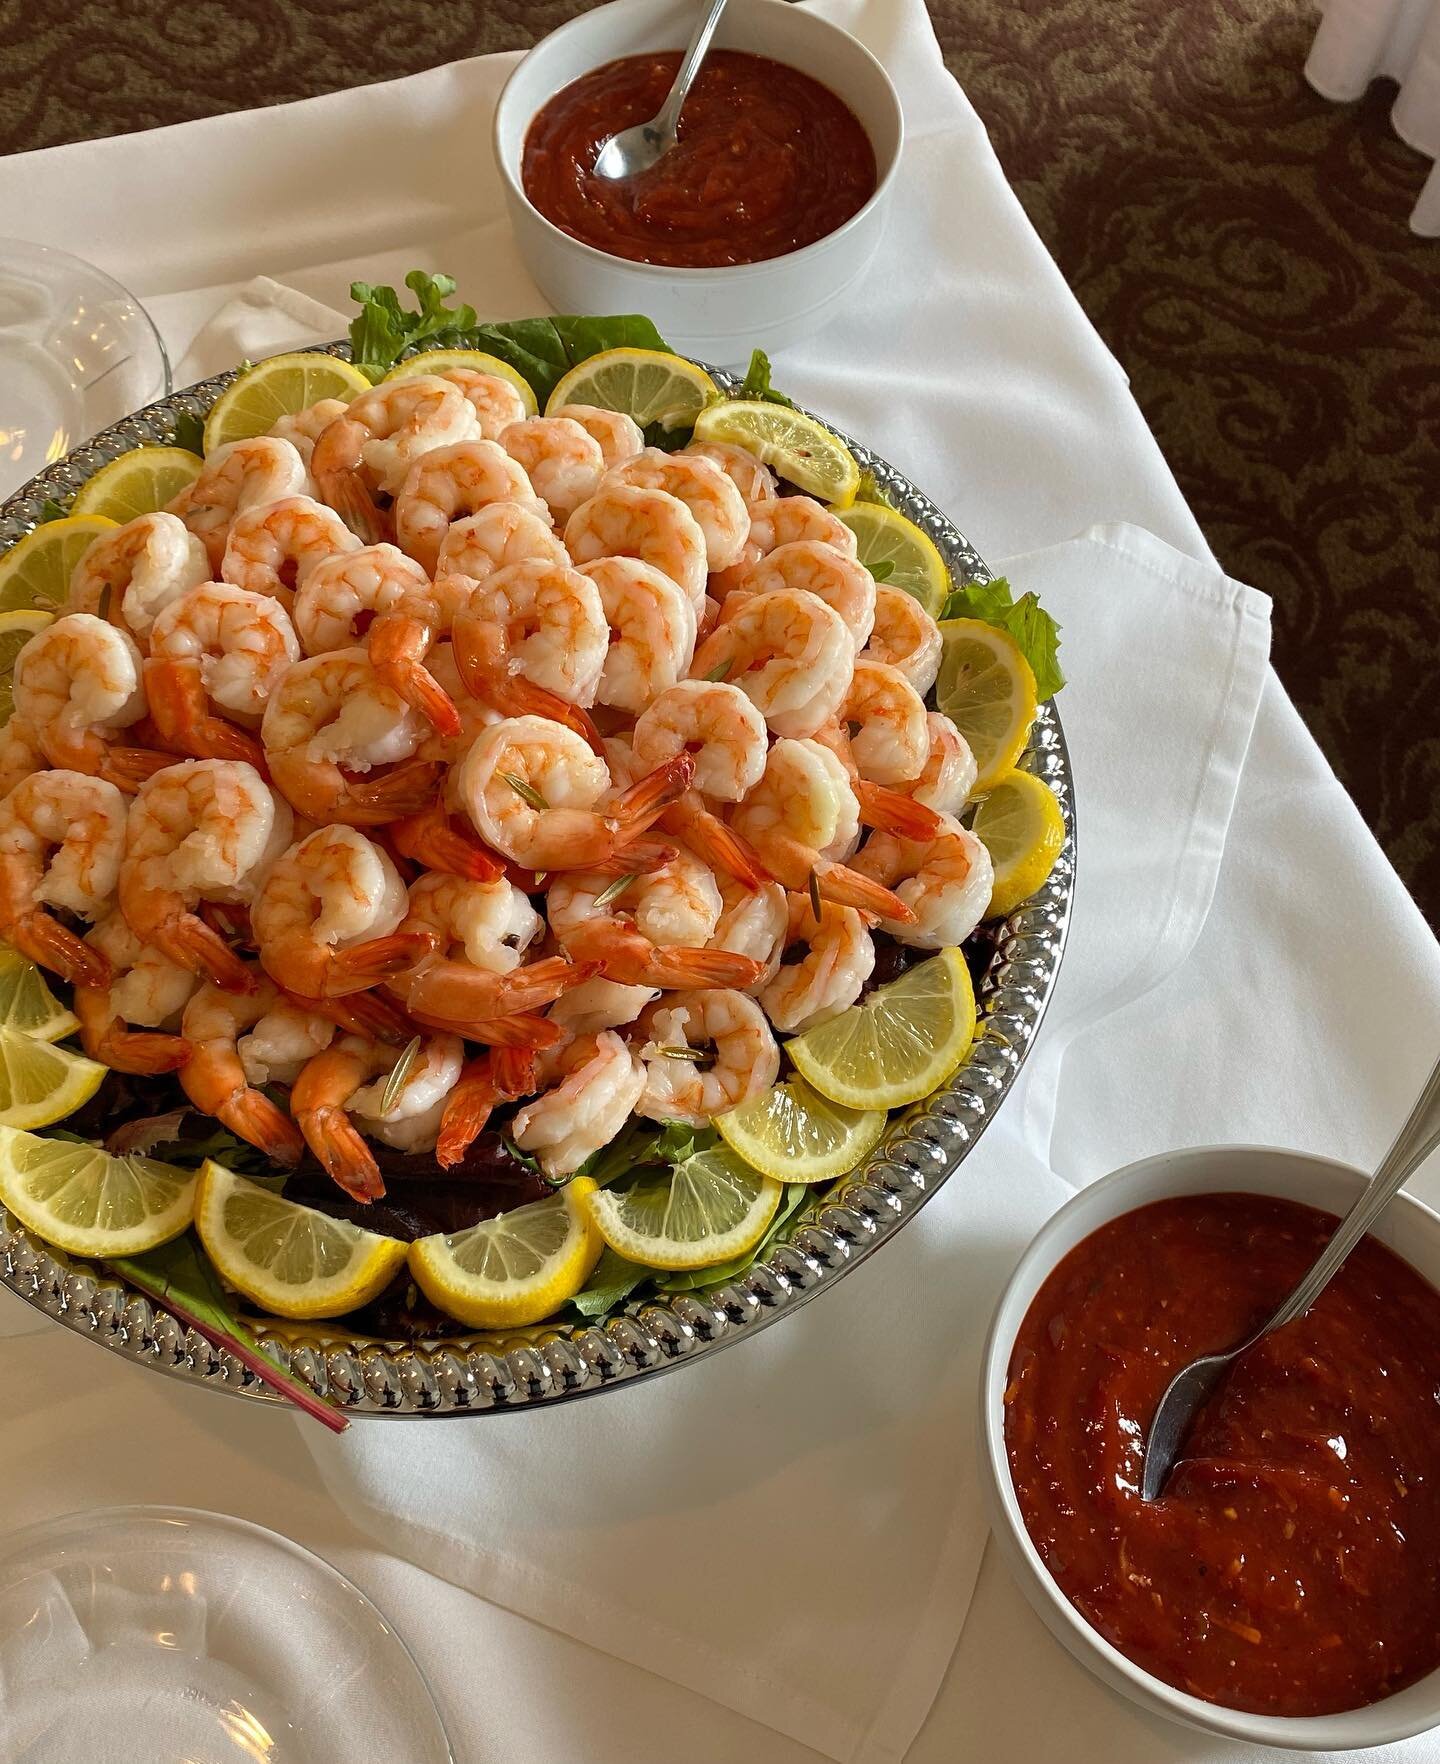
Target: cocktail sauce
<point>1292,1565</point>
<point>768,160</point>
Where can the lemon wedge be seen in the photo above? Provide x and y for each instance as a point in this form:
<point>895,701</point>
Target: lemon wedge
<point>27,1005</point>
<point>17,627</point>
<point>884,536</point>
<point>796,1135</point>
<point>276,387</point>
<point>897,1045</point>
<point>440,361</point>
<point>295,1261</point>
<point>83,1200</point>
<point>646,384</point>
<point>513,1269</point>
<point>1021,826</point>
<point>711,1208</point>
<point>987,689</point>
<point>798,447</point>
<point>40,1084</point>
<point>36,570</point>
<point>137,483</point>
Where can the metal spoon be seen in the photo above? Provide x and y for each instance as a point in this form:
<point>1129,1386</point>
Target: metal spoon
<point>636,149</point>
<point>1189,1388</point>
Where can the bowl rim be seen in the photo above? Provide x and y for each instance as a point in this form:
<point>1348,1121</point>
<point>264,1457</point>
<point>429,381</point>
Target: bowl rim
<point>1157,1177</point>
<point>696,274</point>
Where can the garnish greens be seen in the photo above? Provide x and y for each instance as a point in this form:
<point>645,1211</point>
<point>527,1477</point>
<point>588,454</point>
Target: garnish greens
<point>756,384</point>
<point>190,432</point>
<point>1024,621</point>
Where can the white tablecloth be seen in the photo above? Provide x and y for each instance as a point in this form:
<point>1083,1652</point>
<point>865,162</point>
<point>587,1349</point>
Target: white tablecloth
<point>1363,40</point>
<point>1305,1014</point>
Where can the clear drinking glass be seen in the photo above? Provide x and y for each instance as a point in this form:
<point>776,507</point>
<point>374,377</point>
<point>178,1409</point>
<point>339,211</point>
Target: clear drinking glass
<point>77,353</point>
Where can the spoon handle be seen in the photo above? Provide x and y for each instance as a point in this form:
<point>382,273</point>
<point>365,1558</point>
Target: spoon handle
<point>1413,1144</point>
<point>669,118</point>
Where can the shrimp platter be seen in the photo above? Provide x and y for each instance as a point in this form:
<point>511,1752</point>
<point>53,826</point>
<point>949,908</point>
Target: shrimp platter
<point>453,807</point>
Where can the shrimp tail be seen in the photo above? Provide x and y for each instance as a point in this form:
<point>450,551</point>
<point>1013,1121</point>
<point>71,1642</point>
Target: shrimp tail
<point>397,646</point>
<point>642,857</point>
<point>140,1052</point>
<point>362,1013</point>
<point>190,943</point>
<point>893,812</point>
<point>500,1075</point>
<point>180,711</point>
<point>432,838</point>
<point>335,1140</point>
<point>379,958</point>
<point>721,846</point>
<point>522,1030</point>
<point>702,967</point>
<point>346,494</point>
<point>513,1070</point>
<point>54,946</point>
<point>462,992</point>
<point>127,768</point>
<point>481,654</point>
<point>847,887</point>
<point>404,791</point>
<point>252,1116</point>
<point>646,800</point>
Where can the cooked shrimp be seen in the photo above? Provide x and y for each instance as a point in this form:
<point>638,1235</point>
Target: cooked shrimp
<point>601,1081</point>
<point>495,401</point>
<point>653,932</point>
<point>949,773</point>
<point>327,916</point>
<point>20,753</point>
<point>751,477</point>
<point>726,1025</point>
<point>448,483</point>
<point>412,1121</point>
<point>802,812</point>
<point>599,1003</point>
<point>203,830</point>
<point>62,837</point>
<point>218,1078</point>
<point>241,643</point>
<point>789,653</point>
<point>690,817</point>
<point>791,518</point>
<point>501,533</point>
<point>489,924</point>
<point>237,476</point>
<point>823,968</point>
<point>753,923</point>
<point>537,793</point>
<point>303,428</point>
<point>561,459</point>
<point>145,989</point>
<point>906,636</point>
<point>78,683</point>
<point>892,811</point>
<point>536,623</point>
<point>617,435</point>
<point>143,566</point>
<point>652,631</point>
<point>333,716</point>
<point>820,570</point>
<point>945,883</point>
<point>273,546</point>
<point>343,592</point>
<point>373,443</point>
<point>498,1075</point>
<point>625,520</point>
<point>889,736</point>
<point>318,1100</point>
<point>702,485</point>
<point>716,722</point>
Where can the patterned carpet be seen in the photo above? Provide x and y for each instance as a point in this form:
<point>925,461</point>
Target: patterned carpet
<point>1240,244</point>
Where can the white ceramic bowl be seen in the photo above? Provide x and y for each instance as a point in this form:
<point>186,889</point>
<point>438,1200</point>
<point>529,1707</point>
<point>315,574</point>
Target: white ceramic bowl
<point>716,314</point>
<point>1406,1227</point>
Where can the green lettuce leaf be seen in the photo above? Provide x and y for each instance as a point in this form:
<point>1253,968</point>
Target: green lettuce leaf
<point>190,432</point>
<point>50,510</point>
<point>1033,630</point>
<point>756,384</point>
<point>614,1279</point>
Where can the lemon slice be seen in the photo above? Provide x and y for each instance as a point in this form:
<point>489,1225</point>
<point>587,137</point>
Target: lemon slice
<point>440,361</point>
<point>798,447</point>
<point>17,627</point>
<point>40,1084</point>
<point>711,1208</point>
<point>83,1200</point>
<point>515,1268</point>
<point>986,688</point>
<point>295,1261</point>
<point>36,570</point>
<point>1021,826</point>
<point>647,384</point>
<point>796,1135</point>
<point>898,1044</point>
<point>27,1005</point>
<point>137,483</point>
<point>276,387</point>
<point>883,536</point>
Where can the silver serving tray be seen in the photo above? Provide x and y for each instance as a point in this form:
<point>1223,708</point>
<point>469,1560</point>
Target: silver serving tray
<point>479,1372</point>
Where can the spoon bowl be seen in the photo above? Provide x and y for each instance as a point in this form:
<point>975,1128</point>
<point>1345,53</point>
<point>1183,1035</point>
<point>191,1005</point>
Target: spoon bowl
<point>637,149</point>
